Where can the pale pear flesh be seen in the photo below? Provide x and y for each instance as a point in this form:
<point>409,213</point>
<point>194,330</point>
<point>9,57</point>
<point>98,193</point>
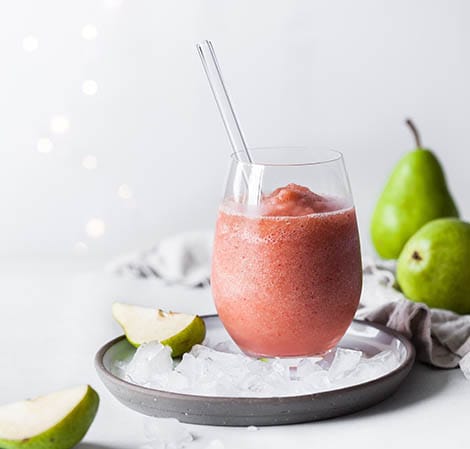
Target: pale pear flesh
<point>144,324</point>
<point>56,421</point>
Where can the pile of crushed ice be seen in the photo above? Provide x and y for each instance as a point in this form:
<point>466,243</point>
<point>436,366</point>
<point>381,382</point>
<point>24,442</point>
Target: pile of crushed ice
<point>223,370</point>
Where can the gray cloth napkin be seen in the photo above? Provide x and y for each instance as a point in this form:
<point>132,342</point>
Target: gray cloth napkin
<point>183,259</point>
<point>441,337</point>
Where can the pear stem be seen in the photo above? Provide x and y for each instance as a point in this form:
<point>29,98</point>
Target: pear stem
<point>415,132</point>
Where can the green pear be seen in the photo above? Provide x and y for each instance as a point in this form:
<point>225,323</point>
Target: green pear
<point>415,194</point>
<point>434,266</point>
<point>56,421</point>
<point>144,324</point>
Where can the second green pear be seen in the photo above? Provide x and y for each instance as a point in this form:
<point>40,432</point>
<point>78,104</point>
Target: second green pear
<point>434,266</point>
<point>415,194</point>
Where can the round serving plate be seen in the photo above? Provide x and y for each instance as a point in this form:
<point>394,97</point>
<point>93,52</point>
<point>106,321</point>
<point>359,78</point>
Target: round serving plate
<point>367,337</point>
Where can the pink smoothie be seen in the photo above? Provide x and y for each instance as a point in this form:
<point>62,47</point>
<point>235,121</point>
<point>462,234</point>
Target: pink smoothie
<point>287,280</point>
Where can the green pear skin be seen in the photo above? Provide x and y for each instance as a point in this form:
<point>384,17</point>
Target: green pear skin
<point>67,433</point>
<point>415,194</point>
<point>144,324</point>
<point>434,266</point>
<point>186,339</point>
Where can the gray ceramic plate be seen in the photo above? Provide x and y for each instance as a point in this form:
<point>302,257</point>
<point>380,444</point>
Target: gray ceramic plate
<point>230,411</point>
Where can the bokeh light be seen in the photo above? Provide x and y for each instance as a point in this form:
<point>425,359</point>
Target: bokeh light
<point>44,145</point>
<point>90,162</point>
<point>89,32</point>
<point>30,43</point>
<point>124,192</point>
<point>95,228</point>
<point>89,87</point>
<point>59,124</point>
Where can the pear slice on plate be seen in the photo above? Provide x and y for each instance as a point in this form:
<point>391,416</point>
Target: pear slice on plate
<point>56,421</point>
<point>143,325</point>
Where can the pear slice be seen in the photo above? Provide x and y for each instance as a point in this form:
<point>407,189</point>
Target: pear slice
<point>143,325</point>
<point>56,421</point>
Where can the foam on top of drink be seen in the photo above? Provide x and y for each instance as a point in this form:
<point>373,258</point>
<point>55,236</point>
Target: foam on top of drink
<point>291,200</point>
<point>294,200</point>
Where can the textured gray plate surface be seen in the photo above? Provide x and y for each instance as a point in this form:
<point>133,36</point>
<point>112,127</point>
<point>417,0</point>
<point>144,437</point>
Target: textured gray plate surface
<point>224,411</point>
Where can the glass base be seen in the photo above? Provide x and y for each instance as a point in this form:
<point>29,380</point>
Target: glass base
<point>286,356</point>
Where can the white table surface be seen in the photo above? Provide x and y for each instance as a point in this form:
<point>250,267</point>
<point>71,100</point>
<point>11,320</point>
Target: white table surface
<point>55,314</point>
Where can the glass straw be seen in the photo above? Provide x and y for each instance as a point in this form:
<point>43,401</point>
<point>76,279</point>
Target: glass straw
<point>214,76</point>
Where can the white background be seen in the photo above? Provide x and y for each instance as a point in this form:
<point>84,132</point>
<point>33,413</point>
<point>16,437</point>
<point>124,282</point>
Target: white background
<point>340,74</point>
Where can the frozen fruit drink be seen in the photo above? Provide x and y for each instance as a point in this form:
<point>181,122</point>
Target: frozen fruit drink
<point>286,277</point>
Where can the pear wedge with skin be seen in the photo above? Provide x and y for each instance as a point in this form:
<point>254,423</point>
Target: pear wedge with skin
<point>144,324</point>
<point>56,421</point>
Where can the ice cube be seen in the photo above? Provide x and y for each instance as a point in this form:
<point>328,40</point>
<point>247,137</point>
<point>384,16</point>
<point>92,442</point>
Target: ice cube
<point>388,359</point>
<point>177,382</point>
<point>465,365</point>
<point>272,384</point>
<point>228,346</point>
<point>345,361</point>
<point>308,366</point>
<point>317,380</point>
<point>365,371</point>
<point>190,367</point>
<point>224,368</point>
<point>151,362</point>
<point>216,444</point>
<point>167,433</point>
<point>283,365</point>
<point>373,367</point>
<point>262,379</point>
<point>293,373</point>
<point>259,366</point>
<point>279,366</point>
<point>221,388</point>
<point>204,353</point>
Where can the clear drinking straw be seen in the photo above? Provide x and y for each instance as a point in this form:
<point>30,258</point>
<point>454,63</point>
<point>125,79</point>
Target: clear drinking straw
<point>214,76</point>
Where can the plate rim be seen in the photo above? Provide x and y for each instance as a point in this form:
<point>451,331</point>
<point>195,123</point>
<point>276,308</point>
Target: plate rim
<point>406,365</point>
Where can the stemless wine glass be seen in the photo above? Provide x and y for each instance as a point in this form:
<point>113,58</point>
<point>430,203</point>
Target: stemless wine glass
<point>286,269</point>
